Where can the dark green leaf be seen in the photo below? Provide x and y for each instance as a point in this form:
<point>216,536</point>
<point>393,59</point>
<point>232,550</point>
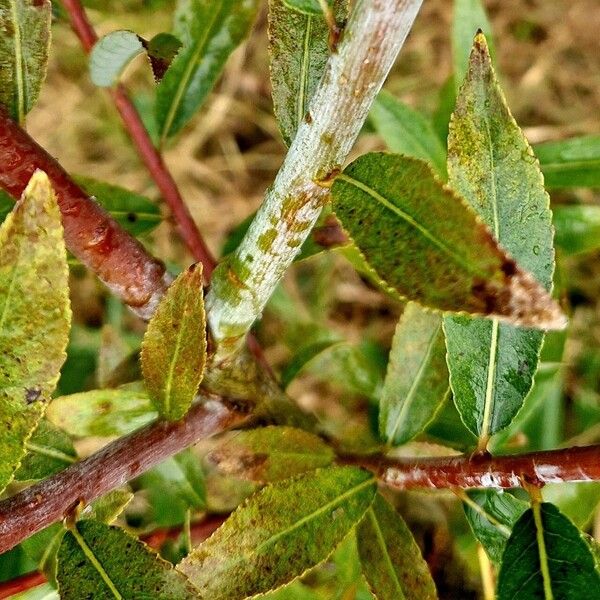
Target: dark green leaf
<point>112,54</point>
<point>102,413</point>
<point>271,453</point>
<point>429,245</point>
<point>103,562</point>
<point>577,228</point>
<point>280,532</point>
<point>391,560</point>
<point>35,316</point>
<point>212,29</point>
<point>162,49</point>
<point>406,131</point>
<point>547,557</point>
<point>416,382</point>
<point>49,450</point>
<point>174,347</point>
<point>469,17</point>
<point>490,163</point>
<point>492,515</point>
<point>24,45</point>
<point>298,48</point>
<point>571,163</point>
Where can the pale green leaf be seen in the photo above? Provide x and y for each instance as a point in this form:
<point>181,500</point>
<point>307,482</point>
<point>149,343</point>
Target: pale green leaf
<point>469,16</point>
<point>271,453</point>
<point>298,49</point>
<point>214,29</point>
<point>40,592</point>
<point>103,413</point>
<point>391,560</point>
<point>280,532</point>
<point>490,163</point>
<point>112,54</point>
<point>35,316</point>
<point>577,501</point>
<point>103,562</point>
<point>547,557</point>
<point>406,131</point>
<point>24,44</point>
<point>174,346</point>
<point>416,382</point>
<point>429,245</point>
<point>108,507</point>
<point>577,228</point>
<point>492,515</point>
<point>49,450</point>
<point>571,163</point>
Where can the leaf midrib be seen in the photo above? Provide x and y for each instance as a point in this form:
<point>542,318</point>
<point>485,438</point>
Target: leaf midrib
<point>304,68</point>
<point>19,75</point>
<point>543,555</point>
<point>50,452</point>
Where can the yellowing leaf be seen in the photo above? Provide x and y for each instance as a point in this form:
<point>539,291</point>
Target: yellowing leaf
<point>24,43</point>
<point>428,244</point>
<point>35,316</point>
<point>174,347</point>
<point>279,533</point>
<point>100,561</point>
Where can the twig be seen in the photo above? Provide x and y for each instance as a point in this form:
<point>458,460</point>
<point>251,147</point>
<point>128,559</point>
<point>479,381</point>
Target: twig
<point>242,285</point>
<point>485,471</point>
<point>149,154</point>
<point>51,499</point>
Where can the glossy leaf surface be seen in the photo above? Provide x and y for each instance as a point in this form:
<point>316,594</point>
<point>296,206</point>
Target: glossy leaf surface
<point>426,243</point>
<point>24,44</point>
<point>280,532</point>
<point>271,453</point>
<point>416,382</point>
<point>391,560</point>
<point>490,163</point>
<point>211,30</point>
<point>174,347</point>
<point>35,316</point>
<point>547,557</point>
<point>103,562</point>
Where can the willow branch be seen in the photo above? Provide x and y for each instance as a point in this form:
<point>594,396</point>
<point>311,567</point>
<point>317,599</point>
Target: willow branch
<point>485,471</point>
<point>150,156</point>
<point>51,499</point>
<point>353,76</point>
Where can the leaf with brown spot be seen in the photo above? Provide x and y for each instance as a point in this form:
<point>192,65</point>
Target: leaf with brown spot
<point>35,316</point>
<point>174,346</point>
<point>428,244</point>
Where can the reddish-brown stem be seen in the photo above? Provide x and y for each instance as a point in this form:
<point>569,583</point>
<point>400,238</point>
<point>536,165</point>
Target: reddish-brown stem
<point>538,468</point>
<point>148,153</point>
<point>199,532</point>
<point>91,234</point>
<point>50,500</point>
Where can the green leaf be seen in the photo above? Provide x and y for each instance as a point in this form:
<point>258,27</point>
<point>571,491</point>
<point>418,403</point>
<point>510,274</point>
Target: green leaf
<point>416,382</point>
<point>571,163</point>
<point>547,557</point>
<point>407,131</point>
<point>174,347</point>
<point>49,450</point>
<point>469,16</point>
<point>302,358</point>
<point>492,515</point>
<point>213,30</point>
<point>391,560</point>
<point>577,228</point>
<point>173,487</point>
<point>577,501</point>
<point>100,561</point>
<point>271,453</point>
<point>134,212</point>
<point>35,316</point>
<point>429,245</point>
<point>108,507</point>
<point>280,532</point>
<point>103,413</point>
<point>298,49</point>
<point>490,163</point>
<point>112,54</point>
<point>40,592</point>
<point>24,46</point>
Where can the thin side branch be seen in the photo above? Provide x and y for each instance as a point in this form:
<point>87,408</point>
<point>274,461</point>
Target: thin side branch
<point>148,153</point>
<point>354,75</point>
<point>485,471</point>
<point>50,500</point>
